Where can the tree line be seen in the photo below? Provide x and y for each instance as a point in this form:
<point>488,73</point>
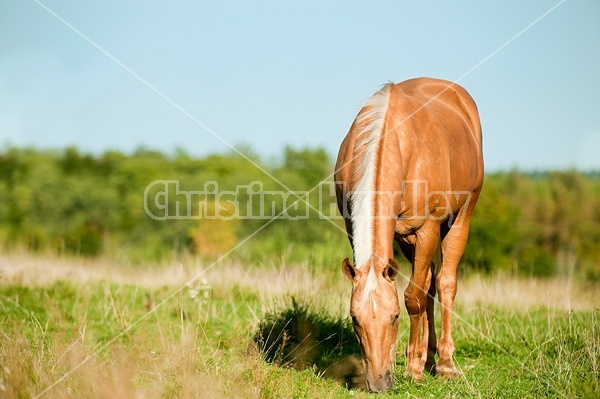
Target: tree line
<point>71,202</point>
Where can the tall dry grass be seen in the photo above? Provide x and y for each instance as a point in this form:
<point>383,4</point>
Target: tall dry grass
<point>275,280</point>
<point>176,358</point>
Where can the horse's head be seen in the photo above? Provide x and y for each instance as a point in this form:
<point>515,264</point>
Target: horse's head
<point>374,308</point>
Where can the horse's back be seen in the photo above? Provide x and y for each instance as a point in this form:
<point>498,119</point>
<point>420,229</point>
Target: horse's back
<point>437,127</point>
<point>442,98</point>
<point>432,134</point>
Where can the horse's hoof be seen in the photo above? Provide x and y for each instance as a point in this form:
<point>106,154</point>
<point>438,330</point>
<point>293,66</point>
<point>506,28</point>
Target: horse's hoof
<point>446,371</point>
<point>417,377</point>
<point>430,367</point>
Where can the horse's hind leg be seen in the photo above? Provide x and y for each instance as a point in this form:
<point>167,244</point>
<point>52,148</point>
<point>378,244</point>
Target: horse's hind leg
<point>432,341</point>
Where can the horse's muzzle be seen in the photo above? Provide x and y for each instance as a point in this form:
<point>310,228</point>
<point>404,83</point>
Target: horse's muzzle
<point>382,383</point>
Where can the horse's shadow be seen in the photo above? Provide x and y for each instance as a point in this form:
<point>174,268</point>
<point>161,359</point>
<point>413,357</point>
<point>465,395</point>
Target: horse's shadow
<point>302,338</point>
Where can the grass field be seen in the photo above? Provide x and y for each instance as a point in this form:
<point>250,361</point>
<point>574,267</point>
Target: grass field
<point>73,328</point>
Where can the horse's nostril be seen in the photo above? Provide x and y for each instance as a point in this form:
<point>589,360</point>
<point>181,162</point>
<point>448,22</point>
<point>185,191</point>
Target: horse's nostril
<point>389,378</point>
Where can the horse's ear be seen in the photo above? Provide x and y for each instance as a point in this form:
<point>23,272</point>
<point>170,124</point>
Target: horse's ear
<point>349,271</point>
<point>391,270</point>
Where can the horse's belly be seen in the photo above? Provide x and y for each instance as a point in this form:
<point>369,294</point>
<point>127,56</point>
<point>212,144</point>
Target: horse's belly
<point>406,226</point>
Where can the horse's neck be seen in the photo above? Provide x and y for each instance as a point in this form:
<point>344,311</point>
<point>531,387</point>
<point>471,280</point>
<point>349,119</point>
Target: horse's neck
<point>384,225</point>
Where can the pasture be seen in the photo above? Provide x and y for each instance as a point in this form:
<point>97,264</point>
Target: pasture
<point>73,328</point>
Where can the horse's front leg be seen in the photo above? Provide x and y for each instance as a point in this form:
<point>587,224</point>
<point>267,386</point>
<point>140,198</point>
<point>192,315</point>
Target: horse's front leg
<point>453,247</point>
<point>415,299</point>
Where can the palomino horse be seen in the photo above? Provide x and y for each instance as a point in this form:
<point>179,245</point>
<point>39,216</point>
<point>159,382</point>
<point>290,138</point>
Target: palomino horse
<point>410,170</point>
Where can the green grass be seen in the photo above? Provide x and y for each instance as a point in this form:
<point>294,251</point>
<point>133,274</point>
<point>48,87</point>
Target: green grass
<point>223,338</point>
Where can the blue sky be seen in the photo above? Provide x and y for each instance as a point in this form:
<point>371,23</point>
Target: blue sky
<point>270,74</point>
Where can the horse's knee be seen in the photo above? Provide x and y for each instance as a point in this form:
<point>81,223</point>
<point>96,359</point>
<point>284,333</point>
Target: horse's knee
<point>415,301</point>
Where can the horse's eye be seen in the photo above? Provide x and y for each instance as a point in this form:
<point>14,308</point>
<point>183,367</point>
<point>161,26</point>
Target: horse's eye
<point>354,320</point>
<point>396,317</point>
